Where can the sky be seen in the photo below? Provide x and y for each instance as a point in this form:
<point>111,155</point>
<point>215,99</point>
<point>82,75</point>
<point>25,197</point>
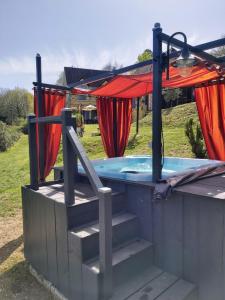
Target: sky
<point>92,33</point>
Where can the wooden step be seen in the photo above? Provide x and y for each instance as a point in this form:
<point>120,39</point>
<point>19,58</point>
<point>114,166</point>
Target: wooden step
<point>181,290</point>
<point>86,210</point>
<point>128,260</point>
<point>125,227</point>
<point>154,284</point>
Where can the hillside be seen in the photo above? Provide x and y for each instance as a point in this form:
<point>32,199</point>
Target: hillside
<point>14,163</point>
<point>176,143</point>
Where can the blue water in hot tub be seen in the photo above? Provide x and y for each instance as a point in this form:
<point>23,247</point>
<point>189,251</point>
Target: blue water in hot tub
<point>139,168</point>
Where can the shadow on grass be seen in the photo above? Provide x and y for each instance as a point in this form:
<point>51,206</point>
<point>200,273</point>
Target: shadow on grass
<point>133,142</point>
<point>9,248</point>
<point>14,279</point>
<point>168,111</point>
<point>18,283</point>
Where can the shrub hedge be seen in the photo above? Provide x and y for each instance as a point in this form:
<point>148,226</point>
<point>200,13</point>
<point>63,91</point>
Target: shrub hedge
<point>8,136</point>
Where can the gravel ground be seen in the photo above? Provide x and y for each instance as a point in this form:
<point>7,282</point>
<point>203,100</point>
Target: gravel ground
<point>16,282</point>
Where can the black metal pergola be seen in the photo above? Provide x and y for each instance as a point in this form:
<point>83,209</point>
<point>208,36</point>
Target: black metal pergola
<point>159,62</point>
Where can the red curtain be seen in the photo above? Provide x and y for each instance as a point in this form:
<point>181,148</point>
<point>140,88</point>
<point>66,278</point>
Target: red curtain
<point>131,86</point>
<point>112,118</point>
<point>210,102</point>
<point>54,102</point>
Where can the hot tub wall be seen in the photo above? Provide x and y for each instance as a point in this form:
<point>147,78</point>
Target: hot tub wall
<point>138,198</point>
<point>187,232</point>
<point>188,235</point>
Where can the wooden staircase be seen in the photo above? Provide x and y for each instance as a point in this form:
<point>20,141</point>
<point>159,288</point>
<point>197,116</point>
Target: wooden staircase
<point>134,274</point>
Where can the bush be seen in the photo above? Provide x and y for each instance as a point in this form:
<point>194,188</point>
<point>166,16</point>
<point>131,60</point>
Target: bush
<point>24,128</point>
<point>195,139</point>
<point>8,136</point>
<point>14,104</point>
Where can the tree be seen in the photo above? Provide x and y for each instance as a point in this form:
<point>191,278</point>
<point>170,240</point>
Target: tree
<point>171,95</point>
<point>146,55</point>
<point>220,51</point>
<point>195,139</point>
<point>62,79</point>
<point>111,67</point>
<point>14,104</point>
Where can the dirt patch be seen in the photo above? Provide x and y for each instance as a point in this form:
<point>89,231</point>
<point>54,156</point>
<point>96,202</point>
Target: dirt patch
<point>16,282</point>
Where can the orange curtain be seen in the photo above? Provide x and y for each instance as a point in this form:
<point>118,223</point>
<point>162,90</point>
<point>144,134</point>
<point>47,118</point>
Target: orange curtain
<point>54,102</point>
<point>210,102</point>
<point>131,86</point>
<point>108,122</point>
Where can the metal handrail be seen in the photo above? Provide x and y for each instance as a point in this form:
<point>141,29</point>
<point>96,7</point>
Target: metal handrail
<point>85,162</point>
<point>71,146</point>
<point>47,120</point>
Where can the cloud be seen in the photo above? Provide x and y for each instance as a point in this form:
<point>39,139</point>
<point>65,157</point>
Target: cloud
<point>53,62</point>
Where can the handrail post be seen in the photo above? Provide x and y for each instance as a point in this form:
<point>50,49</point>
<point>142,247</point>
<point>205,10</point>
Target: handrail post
<point>69,158</point>
<point>105,240</point>
<point>32,152</point>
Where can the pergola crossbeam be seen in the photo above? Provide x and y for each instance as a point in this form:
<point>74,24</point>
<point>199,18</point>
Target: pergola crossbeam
<point>53,86</point>
<point>212,44</point>
<point>196,50</point>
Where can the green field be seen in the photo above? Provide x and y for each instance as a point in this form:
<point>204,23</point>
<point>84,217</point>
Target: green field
<point>14,163</point>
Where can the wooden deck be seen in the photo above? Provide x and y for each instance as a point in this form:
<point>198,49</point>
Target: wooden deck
<point>187,232</point>
<point>213,187</point>
<point>82,193</point>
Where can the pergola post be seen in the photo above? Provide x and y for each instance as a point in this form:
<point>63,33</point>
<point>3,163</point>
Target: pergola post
<point>156,104</point>
<point>40,108</point>
<point>32,152</point>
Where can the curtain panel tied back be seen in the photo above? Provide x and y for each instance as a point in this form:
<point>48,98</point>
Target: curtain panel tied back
<point>53,102</point>
<point>210,102</point>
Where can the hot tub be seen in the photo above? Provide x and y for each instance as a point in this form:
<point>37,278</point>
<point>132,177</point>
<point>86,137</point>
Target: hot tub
<point>139,168</point>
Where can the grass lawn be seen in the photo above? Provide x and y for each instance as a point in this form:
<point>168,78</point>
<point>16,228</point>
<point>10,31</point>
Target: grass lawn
<point>14,162</point>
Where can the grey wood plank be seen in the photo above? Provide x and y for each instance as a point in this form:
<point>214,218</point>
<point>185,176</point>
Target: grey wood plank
<point>75,267</point>
<point>158,233</point>
<point>123,253</point>
<point>51,241</point>
<point>43,255</point>
<point>35,235</point>
<point>92,284</point>
<point>209,191</point>
<point>215,181</point>
<point>125,228</point>
<point>155,288</point>
<point>173,235</point>
<point>132,286</point>
<point>140,204</point>
<point>62,248</point>
<point>191,239</point>
<point>181,290</point>
<point>26,225</point>
<point>211,224</point>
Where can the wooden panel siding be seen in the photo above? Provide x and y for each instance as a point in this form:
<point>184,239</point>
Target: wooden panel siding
<point>45,242</point>
<point>140,204</point>
<point>51,242</point>
<point>187,232</point>
<point>188,237</point>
